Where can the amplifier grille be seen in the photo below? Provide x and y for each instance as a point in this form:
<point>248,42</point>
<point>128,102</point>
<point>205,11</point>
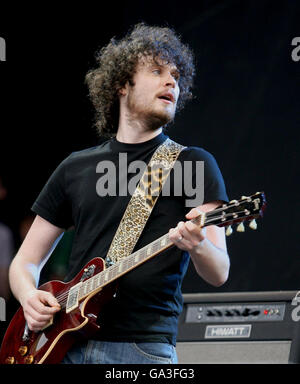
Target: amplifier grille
<point>243,352</point>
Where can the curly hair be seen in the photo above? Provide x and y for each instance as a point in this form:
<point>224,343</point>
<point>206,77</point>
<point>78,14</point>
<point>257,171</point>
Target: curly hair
<point>117,64</point>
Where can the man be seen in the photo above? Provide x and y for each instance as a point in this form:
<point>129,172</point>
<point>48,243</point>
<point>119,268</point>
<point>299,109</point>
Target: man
<point>140,82</point>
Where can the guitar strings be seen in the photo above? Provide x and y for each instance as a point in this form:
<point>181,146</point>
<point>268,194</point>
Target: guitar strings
<point>62,297</point>
<point>110,269</point>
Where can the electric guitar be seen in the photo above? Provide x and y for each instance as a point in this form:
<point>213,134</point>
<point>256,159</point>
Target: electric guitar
<point>82,298</point>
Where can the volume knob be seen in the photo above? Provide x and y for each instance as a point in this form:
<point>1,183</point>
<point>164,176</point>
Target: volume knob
<point>10,360</point>
<point>29,359</point>
<point>23,350</point>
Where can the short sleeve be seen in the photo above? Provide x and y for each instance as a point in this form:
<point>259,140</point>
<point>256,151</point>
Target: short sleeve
<point>53,203</point>
<point>214,185</point>
<point>206,177</point>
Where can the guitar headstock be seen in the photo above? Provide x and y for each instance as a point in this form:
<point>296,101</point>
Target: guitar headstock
<point>248,208</point>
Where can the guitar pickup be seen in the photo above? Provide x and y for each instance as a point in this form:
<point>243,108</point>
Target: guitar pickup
<point>73,295</point>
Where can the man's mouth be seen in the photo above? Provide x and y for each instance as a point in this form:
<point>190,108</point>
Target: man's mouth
<point>167,97</point>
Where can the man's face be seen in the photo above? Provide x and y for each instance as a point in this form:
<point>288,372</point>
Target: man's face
<point>153,96</point>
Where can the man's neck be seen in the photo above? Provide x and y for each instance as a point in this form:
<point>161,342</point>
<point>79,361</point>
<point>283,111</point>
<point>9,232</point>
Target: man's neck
<point>131,135</point>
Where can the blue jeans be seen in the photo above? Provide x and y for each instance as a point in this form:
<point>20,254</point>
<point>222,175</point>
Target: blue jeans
<point>105,352</point>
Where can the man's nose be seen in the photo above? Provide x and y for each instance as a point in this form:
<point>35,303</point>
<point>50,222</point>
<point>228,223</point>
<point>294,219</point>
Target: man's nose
<point>170,81</point>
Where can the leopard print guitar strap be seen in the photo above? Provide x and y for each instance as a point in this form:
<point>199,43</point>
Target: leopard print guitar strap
<point>143,200</point>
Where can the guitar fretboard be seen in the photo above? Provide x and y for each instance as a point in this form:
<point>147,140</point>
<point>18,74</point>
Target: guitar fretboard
<point>124,265</point>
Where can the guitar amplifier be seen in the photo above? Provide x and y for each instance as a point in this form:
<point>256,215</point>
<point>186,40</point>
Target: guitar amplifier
<point>245,327</point>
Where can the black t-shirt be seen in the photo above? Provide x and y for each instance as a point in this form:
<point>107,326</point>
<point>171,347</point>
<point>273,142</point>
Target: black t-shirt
<point>148,299</point>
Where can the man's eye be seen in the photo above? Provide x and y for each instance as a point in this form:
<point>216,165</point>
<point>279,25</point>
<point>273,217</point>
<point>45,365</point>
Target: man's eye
<point>157,71</point>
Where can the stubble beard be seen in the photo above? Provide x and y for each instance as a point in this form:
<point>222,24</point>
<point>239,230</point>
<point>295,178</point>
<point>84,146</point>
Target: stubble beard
<point>150,117</point>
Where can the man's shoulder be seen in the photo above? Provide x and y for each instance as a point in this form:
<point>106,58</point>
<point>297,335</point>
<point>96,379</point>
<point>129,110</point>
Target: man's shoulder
<point>87,153</point>
<point>196,153</point>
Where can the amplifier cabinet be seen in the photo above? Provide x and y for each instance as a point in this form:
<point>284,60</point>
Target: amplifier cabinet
<point>244,327</point>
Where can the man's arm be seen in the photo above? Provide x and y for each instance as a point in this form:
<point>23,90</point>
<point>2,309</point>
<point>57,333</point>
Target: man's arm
<point>206,246</point>
<point>38,306</point>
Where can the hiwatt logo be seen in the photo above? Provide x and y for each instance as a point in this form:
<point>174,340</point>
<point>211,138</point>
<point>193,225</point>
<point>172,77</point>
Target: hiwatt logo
<point>231,331</point>
<point>2,309</point>
<point>2,49</point>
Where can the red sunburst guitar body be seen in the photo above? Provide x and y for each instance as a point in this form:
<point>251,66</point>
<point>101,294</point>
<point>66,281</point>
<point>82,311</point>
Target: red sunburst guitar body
<point>51,344</point>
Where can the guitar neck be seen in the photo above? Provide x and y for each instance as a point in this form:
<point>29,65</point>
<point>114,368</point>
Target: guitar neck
<point>247,208</point>
<point>124,265</point>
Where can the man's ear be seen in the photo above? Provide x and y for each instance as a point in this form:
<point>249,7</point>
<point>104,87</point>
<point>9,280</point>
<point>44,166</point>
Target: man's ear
<point>123,91</point>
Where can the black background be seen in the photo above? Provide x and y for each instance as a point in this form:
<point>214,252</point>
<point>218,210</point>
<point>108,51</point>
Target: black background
<point>246,110</point>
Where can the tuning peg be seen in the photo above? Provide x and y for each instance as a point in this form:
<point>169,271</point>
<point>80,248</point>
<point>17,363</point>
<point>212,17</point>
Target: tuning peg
<point>229,230</point>
<point>240,228</point>
<point>253,224</point>
<point>244,198</point>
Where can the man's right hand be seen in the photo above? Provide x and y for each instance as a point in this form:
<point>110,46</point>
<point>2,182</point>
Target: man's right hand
<point>39,308</point>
